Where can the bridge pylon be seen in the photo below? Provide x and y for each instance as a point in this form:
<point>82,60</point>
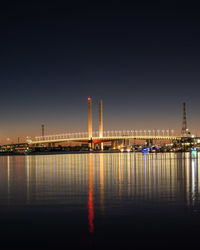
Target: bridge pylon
<point>90,122</point>
<point>101,122</point>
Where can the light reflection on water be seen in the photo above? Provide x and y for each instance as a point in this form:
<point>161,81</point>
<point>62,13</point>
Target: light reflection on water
<point>98,183</point>
<point>60,178</point>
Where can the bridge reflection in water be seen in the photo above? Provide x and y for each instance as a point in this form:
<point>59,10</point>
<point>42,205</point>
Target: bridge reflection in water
<point>95,182</point>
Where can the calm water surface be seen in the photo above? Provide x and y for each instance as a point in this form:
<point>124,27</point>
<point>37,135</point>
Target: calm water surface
<point>100,201</point>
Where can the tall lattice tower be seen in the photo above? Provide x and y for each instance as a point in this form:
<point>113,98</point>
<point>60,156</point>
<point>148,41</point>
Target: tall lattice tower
<point>184,131</point>
<point>42,130</point>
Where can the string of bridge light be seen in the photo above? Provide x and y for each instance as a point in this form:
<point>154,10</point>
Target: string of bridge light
<point>110,133</point>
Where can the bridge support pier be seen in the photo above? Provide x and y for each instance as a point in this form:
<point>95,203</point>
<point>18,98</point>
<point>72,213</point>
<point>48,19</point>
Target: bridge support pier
<point>99,146</point>
<point>51,145</point>
<point>91,144</point>
<point>127,142</point>
<point>149,142</point>
<point>114,144</point>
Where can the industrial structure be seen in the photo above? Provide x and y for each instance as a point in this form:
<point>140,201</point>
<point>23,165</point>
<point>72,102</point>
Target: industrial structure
<point>43,130</point>
<point>184,132</point>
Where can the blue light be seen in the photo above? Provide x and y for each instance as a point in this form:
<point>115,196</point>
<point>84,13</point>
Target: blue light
<point>145,150</point>
<point>193,152</point>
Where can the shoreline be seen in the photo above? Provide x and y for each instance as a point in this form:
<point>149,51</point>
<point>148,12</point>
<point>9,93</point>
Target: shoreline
<point>78,152</point>
<point>56,152</point>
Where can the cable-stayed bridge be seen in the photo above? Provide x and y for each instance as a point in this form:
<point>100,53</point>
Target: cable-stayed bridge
<point>107,136</point>
<point>99,137</point>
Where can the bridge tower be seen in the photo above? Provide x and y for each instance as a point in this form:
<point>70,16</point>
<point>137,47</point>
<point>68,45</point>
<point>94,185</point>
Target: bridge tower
<point>184,130</point>
<point>90,121</point>
<point>101,121</point>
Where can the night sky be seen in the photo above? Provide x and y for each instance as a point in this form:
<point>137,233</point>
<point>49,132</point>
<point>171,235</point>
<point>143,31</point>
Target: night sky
<point>143,60</point>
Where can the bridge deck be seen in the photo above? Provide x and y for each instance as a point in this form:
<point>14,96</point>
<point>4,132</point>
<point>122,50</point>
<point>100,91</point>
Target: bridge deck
<point>105,139</point>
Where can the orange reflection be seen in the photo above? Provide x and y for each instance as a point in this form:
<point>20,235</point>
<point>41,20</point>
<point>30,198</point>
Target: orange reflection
<point>101,162</point>
<point>90,198</point>
<point>8,165</point>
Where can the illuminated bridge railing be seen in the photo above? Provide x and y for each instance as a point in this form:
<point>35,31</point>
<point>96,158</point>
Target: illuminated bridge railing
<point>111,133</point>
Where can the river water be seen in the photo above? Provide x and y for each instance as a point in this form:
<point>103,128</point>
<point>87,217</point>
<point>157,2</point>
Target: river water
<point>100,201</point>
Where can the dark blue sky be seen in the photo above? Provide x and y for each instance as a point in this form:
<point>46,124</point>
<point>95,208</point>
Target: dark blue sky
<point>143,60</point>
